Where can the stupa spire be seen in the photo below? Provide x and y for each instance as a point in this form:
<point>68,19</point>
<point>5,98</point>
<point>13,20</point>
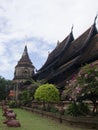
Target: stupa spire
<point>24,69</point>
<point>25,52</point>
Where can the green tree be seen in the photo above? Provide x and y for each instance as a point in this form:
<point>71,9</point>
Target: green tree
<point>47,93</point>
<point>87,80</point>
<point>84,85</point>
<point>4,88</point>
<point>26,97</point>
<point>33,85</point>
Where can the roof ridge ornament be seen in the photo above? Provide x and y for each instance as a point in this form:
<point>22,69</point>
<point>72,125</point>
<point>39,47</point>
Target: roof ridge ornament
<point>72,28</point>
<point>58,42</point>
<point>95,18</point>
<point>25,51</point>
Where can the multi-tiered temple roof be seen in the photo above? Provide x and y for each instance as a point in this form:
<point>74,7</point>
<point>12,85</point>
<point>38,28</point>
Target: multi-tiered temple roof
<point>66,59</point>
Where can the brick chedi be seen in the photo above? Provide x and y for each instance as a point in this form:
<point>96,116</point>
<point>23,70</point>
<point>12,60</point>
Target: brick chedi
<point>24,69</point>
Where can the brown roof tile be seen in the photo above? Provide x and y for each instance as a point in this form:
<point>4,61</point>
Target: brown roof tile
<point>78,45</point>
<point>58,50</point>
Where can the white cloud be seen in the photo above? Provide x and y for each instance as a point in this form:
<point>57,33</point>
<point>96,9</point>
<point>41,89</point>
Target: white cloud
<point>44,22</point>
<point>2,49</point>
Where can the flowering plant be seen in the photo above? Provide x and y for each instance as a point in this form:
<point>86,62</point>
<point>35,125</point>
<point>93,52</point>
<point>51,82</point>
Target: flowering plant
<point>84,85</point>
<point>87,79</point>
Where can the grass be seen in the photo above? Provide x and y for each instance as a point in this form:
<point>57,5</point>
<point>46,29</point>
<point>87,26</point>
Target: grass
<point>30,121</point>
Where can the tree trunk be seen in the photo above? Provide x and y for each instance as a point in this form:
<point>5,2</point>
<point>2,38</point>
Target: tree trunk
<point>44,106</point>
<point>94,107</point>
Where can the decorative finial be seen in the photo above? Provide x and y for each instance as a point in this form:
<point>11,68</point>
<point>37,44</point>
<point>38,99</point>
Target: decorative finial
<point>58,42</point>
<point>48,52</point>
<point>95,18</point>
<point>25,51</point>
<point>72,27</point>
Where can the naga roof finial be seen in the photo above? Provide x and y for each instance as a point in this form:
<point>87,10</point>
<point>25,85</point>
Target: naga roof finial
<point>95,18</point>
<point>72,28</point>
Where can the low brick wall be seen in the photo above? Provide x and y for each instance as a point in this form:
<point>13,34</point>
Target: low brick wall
<point>57,105</point>
<point>83,122</point>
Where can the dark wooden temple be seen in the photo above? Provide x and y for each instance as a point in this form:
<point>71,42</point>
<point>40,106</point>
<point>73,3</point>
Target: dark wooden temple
<point>68,56</point>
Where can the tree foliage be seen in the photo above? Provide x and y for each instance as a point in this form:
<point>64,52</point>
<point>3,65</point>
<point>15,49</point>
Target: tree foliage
<point>77,109</point>
<point>26,97</point>
<point>31,85</point>
<point>4,88</point>
<point>47,93</point>
<point>84,85</point>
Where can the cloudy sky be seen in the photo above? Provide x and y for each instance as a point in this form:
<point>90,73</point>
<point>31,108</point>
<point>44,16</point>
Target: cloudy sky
<point>39,24</point>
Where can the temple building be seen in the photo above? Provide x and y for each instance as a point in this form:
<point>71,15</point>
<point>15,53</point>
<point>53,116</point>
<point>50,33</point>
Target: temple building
<point>64,61</point>
<point>68,57</point>
<point>24,69</point>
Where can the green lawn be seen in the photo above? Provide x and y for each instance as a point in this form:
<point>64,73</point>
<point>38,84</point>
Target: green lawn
<point>30,121</point>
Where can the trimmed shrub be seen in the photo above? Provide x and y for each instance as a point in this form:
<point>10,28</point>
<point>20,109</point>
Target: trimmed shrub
<point>47,93</point>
